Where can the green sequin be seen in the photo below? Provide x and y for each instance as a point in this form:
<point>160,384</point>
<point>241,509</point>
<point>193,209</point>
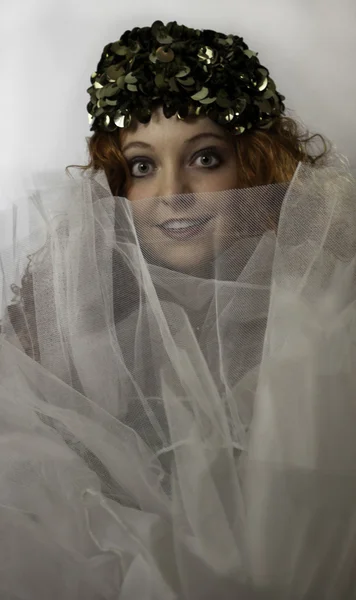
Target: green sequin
<point>186,71</point>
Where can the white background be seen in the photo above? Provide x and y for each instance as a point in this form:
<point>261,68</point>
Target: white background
<point>48,49</point>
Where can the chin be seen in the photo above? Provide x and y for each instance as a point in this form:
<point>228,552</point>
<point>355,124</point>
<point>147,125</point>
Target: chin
<point>190,263</point>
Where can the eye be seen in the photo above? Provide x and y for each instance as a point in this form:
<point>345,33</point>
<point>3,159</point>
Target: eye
<point>141,167</point>
<point>208,159</point>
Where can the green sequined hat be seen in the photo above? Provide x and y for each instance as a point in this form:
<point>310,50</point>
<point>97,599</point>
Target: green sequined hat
<point>186,71</point>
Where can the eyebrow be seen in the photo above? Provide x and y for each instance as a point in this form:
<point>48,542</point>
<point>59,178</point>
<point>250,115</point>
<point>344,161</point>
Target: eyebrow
<point>191,140</point>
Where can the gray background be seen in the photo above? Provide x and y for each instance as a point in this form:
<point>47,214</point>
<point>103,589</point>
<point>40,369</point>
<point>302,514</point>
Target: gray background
<point>48,49</point>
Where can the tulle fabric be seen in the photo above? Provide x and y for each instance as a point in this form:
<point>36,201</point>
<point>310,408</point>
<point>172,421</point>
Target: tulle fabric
<point>180,433</point>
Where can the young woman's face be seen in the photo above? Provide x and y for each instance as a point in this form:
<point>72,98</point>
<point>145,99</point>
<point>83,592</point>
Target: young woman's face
<point>174,165</point>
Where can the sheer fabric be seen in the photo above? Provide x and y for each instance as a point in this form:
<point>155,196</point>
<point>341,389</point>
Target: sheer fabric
<point>177,414</point>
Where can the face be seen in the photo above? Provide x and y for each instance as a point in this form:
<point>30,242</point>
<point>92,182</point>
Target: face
<point>175,166</point>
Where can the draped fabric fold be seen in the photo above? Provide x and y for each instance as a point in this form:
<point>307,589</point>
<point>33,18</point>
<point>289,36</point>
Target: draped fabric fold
<point>177,411</point>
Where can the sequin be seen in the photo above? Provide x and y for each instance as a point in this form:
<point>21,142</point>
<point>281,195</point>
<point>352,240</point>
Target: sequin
<point>114,71</point>
<point>109,90</point>
<point>130,78</point>
<point>173,85</point>
<point>250,53</point>
<point>119,49</point>
<point>164,38</point>
<point>203,93</point>
<point>240,106</point>
<point>208,100</point>
<point>108,102</point>
<point>189,81</point>
<point>160,81</point>
<point>187,71</point>
<point>228,115</point>
<point>183,112</point>
<point>206,55</point>
<point>164,54</point>
<point>143,115</point>
<point>183,73</point>
<point>169,111</point>
<point>135,47</point>
<point>122,119</point>
<point>223,99</point>
<point>264,82</point>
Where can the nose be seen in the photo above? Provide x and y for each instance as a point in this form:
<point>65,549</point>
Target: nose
<point>172,181</point>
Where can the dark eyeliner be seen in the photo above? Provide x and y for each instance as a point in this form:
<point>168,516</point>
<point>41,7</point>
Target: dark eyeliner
<point>211,151</point>
<point>131,162</point>
<point>138,159</point>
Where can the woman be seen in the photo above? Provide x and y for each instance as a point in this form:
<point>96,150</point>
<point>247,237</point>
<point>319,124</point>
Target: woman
<point>187,427</point>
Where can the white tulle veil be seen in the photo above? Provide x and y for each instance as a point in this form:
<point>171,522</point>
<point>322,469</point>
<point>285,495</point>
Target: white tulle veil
<point>173,433</point>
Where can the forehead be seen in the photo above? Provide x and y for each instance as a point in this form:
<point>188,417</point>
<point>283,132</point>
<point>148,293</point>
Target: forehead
<point>160,128</point>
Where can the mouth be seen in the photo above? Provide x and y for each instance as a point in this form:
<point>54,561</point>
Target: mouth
<point>184,228</point>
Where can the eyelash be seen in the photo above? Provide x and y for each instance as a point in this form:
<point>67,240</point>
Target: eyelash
<point>211,152</point>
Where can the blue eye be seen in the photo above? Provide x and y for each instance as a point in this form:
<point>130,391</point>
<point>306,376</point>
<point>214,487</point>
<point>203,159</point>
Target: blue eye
<point>141,168</point>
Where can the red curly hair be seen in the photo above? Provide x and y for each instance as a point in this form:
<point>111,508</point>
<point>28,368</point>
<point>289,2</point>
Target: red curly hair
<point>263,156</point>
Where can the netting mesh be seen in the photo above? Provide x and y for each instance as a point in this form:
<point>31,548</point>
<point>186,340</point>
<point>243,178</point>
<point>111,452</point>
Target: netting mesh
<point>177,387</point>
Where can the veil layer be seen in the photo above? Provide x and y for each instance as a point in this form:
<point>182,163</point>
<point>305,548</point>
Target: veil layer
<point>180,432</point>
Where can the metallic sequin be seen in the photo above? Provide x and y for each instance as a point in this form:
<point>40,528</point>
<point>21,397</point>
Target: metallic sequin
<point>163,38</point>
<point>109,90</point>
<point>119,49</point>
<point>130,78</point>
<point>183,73</point>
<point>207,55</point>
<point>164,54</point>
<point>187,82</point>
<point>114,71</point>
<point>208,100</point>
<point>228,115</point>
<point>122,119</point>
<point>223,99</point>
<point>143,115</point>
<point>203,93</point>
<point>240,106</point>
<point>160,81</point>
<point>173,85</point>
<point>189,72</point>
<point>250,53</point>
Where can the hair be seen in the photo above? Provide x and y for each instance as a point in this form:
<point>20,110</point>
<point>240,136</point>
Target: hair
<point>263,156</point>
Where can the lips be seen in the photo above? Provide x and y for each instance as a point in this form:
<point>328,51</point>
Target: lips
<point>184,228</point>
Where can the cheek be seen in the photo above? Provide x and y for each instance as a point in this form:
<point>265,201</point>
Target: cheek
<point>230,174</point>
<point>223,178</point>
<point>136,194</point>
<point>140,189</point>
<point>142,212</point>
